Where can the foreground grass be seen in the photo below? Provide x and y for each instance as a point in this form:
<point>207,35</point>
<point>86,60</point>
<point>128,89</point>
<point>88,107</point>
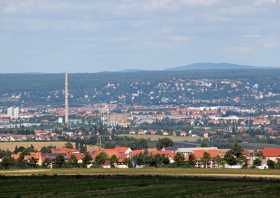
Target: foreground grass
<point>145,171</point>
<point>132,186</point>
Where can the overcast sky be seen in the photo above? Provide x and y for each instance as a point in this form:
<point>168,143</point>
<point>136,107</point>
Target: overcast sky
<point>98,35</point>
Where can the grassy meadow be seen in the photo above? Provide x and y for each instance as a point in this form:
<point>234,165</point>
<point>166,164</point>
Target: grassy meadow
<point>145,171</point>
<point>147,182</point>
<point>133,186</point>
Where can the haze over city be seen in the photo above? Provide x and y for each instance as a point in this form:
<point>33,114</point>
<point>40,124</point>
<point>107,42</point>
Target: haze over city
<point>92,36</point>
<point>139,98</point>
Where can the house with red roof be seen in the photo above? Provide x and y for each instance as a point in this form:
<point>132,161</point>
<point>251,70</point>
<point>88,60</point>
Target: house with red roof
<point>197,154</point>
<point>136,152</point>
<point>36,157</point>
<point>170,154</point>
<point>122,154</point>
<point>271,154</point>
<point>68,152</point>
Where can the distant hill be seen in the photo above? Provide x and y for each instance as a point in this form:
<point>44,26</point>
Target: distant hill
<point>212,66</point>
<point>137,87</point>
<point>131,70</point>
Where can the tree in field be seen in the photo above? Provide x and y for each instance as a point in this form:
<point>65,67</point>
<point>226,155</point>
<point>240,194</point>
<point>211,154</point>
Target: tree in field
<point>204,142</point>
<point>46,149</point>
<point>179,158</point>
<point>277,165</point>
<point>140,159</point>
<point>235,156</point>
<point>19,149</point>
<point>87,159</point>
<point>21,156</point>
<point>257,162</point>
<point>270,164</point>
<point>237,150</point>
<point>4,153</point>
<point>219,161</point>
<point>113,160</point>
<point>206,159</point>
<point>164,142</point>
<point>192,160</point>
<point>33,163</point>
<point>159,160</point>
<point>7,162</point>
<point>101,158</point>
<point>59,161</point>
<point>68,145</point>
<point>30,149</point>
<point>230,158</point>
<point>47,163</point>
<point>73,162</point>
<point>16,149</point>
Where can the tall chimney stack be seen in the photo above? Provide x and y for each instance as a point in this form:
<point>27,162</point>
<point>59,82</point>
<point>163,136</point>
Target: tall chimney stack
<point>66,103</point>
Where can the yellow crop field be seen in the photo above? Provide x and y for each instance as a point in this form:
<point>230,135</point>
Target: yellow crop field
<point>37,145</point>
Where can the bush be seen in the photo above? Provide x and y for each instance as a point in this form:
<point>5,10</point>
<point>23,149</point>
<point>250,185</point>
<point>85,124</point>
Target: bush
<point>270,164</point>
<point>101,158</point>
<point>257,162</point>
<point>164,142</point>
<point>7,162</point>
<point>59,161</point>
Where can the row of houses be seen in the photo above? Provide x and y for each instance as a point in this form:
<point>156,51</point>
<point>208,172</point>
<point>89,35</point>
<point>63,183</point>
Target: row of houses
<point>40,158</point>
<point>37,135</point>
<point>122,154</point>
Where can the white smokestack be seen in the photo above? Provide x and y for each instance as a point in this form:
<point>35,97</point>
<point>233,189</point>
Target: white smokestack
<point>66,95</point>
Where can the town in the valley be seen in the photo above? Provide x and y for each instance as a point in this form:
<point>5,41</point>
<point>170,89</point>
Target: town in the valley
<point>114,135</point>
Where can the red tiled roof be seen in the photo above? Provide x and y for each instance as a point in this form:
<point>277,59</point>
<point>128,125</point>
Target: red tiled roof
<point>119,152</point>
<point>64,150</point>
<point>68,153</point>
<point>271,152</point>
<point>79,156</point>
<point>137,152</point>
<point>199,153</point>
<point>168,153</point>
<point>120,149</point>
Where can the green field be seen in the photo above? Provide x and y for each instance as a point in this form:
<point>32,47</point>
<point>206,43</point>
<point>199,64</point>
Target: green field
<point>146,171</point>
<point>133,186</point>
<point>147,182</point>
<point>157,137</point>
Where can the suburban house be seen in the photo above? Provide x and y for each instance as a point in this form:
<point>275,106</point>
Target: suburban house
<point>68,152</point>
<point>197,154</point>
<point>271,154</point>
<point>121,153</point>
<point>39,158</point>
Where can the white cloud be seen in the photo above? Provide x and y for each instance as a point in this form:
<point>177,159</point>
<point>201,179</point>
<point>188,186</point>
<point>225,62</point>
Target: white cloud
<point>266,2</point>
<point>252,36</point>
<point>239,50</point>
<point>269,43</point>
<point>28,6</point>
<point>180,39</point>
<point>171,4</point>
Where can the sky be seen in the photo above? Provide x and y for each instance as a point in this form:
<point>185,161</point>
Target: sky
<point>108,35</point>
